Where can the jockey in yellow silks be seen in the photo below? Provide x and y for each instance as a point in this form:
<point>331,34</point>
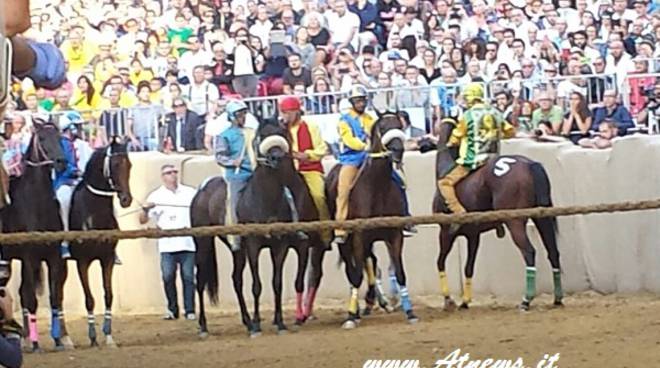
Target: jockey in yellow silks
<point>307,149</point>
<point>479,127</point>
<point>354,130</point>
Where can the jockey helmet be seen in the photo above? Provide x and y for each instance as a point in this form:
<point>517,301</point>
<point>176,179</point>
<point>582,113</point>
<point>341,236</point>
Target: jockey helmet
<point>473,92</point>
<point>290,103</point>
<point>357,91</point>
<point>233,107</point>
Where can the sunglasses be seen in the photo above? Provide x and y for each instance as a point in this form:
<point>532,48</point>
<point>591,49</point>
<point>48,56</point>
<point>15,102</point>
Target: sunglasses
<point>170,172</point>
<point>179,105</point>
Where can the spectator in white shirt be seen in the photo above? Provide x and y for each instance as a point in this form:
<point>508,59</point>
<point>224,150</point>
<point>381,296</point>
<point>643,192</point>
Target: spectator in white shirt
<point>262,25</point>
<point>193,57</point>
<point>344,26</point>
<point>169,207</point>
<point>200,93</point>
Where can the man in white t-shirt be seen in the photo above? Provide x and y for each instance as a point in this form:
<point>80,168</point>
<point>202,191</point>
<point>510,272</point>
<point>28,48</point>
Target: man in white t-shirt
<point>344,26</point>
<point>201,93</point>
<point>169,207</point>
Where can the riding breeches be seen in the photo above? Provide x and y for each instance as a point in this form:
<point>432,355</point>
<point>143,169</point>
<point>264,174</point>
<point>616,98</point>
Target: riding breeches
<point>235,187</point>
<point>347,174</point>
<point>447,185</point>
<point>64,194</point>
<point>316,184</point>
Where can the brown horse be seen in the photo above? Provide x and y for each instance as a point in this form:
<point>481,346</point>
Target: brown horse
<point>374,194</point>
<point>262,201</point>
<point>503,182</point>
<point>107,173</point>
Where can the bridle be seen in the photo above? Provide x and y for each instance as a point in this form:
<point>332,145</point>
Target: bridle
<point>107,175</point>
<point>38,149</point>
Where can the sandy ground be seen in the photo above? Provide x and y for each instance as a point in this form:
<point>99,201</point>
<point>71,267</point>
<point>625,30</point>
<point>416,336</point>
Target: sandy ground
<point>591,331</point>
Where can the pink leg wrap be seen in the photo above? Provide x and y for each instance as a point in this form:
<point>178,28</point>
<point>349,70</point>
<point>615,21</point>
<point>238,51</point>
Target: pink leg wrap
<point>34,334</point>
<point>309,303</point>
<point>299,306</point>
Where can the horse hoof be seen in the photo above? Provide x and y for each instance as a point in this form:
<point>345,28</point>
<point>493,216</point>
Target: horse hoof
<point>311,317</point>
<point>524,307</point>
<point>349,325</point>
<point>94,344</point>
<point>558,304</point>
<point>300,321</point>
<point>282,331</point>
<point>450,305</point>
<point>367,311</point>
<point>464,306</point>
<point>255,334</point>
<point>68,343</point>
<point>203,335</point>
<point>110,342</point>
<point>59,348</point>
<point>412,318</point>
<point>37,350</point>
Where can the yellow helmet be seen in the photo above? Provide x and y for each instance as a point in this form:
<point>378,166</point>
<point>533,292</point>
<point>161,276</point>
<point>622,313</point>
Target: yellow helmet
<point>473,92</point>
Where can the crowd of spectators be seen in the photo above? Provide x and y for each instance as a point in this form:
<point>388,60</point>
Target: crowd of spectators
<point>139,67</point>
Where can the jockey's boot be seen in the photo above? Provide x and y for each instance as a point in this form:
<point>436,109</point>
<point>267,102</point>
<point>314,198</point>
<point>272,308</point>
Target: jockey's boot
<point>301,235</point>
<point>499,230</point>
<point>117,260</point>
<point>64,250</point>
<point>339,240</point>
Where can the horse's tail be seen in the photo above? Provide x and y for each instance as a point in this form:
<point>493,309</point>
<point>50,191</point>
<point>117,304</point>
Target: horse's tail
<point>205,257</point>
<point>547,226</point>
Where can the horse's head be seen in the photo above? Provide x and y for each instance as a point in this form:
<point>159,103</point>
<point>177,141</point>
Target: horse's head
<point>273,145</point>
<point>117,170</point>
<point>45,146</point>
<point>387,135</point>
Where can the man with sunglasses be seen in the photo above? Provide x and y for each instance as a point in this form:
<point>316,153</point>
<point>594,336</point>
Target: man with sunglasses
<point>169,207</point>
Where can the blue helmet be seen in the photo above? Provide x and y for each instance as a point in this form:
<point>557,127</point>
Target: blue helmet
<point>233,107</point>
<point>69,120</point>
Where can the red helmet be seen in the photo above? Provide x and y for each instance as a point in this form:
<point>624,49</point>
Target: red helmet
<point>290,103</point>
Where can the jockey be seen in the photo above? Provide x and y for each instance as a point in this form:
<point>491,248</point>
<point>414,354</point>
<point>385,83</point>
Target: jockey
<point>476,131</point>
<point>235,152</point>
<point>66,180</point>
<point>354,129</point>
<point>308,149</point>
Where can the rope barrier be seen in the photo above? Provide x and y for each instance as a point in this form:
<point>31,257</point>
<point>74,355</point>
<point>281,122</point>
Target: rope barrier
<point>278,228</point>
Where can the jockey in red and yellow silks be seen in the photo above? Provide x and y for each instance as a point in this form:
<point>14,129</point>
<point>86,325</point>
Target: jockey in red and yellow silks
<point>307,149</point>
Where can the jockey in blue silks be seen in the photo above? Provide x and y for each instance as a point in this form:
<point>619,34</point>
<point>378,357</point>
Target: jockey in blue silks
<point>234,151</point>
<point>77,152</point>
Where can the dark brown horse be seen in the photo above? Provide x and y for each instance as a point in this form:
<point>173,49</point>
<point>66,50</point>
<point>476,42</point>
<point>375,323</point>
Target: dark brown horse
<point>262,201</point>
<point>107,173</point>
<point>374,194</point>
<point>503,182</point>
<point>34,208</point>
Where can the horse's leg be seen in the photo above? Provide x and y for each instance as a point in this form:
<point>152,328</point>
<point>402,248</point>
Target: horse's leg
<point>519,235</point>
<point>370,297</point>
<point>547,229</point>
<point>277,256</point>
<point>66,339</point>
<point>355,270</point>
<point>203,329</point>
<point>446,244</point>
<point>395,246</point>
<point>29,302</point>
<point>315,275</point>
<point>237,277</point>
<point>473,247</point>
<point>253,257</point>
<point>302,251</point>
<point>83,273</point>
<point>54,279</point>
<point>107,265</point>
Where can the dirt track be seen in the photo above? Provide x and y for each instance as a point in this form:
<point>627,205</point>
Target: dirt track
<point>591,331</point>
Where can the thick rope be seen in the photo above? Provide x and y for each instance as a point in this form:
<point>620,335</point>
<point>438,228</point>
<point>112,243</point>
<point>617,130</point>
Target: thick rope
<point>314,226</point>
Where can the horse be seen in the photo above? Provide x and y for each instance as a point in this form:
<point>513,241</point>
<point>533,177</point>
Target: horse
<point>374,194</point>
<point>262,201</point>
<point>34,207</point>
<point>503,182</point>
<point>107,173</point>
